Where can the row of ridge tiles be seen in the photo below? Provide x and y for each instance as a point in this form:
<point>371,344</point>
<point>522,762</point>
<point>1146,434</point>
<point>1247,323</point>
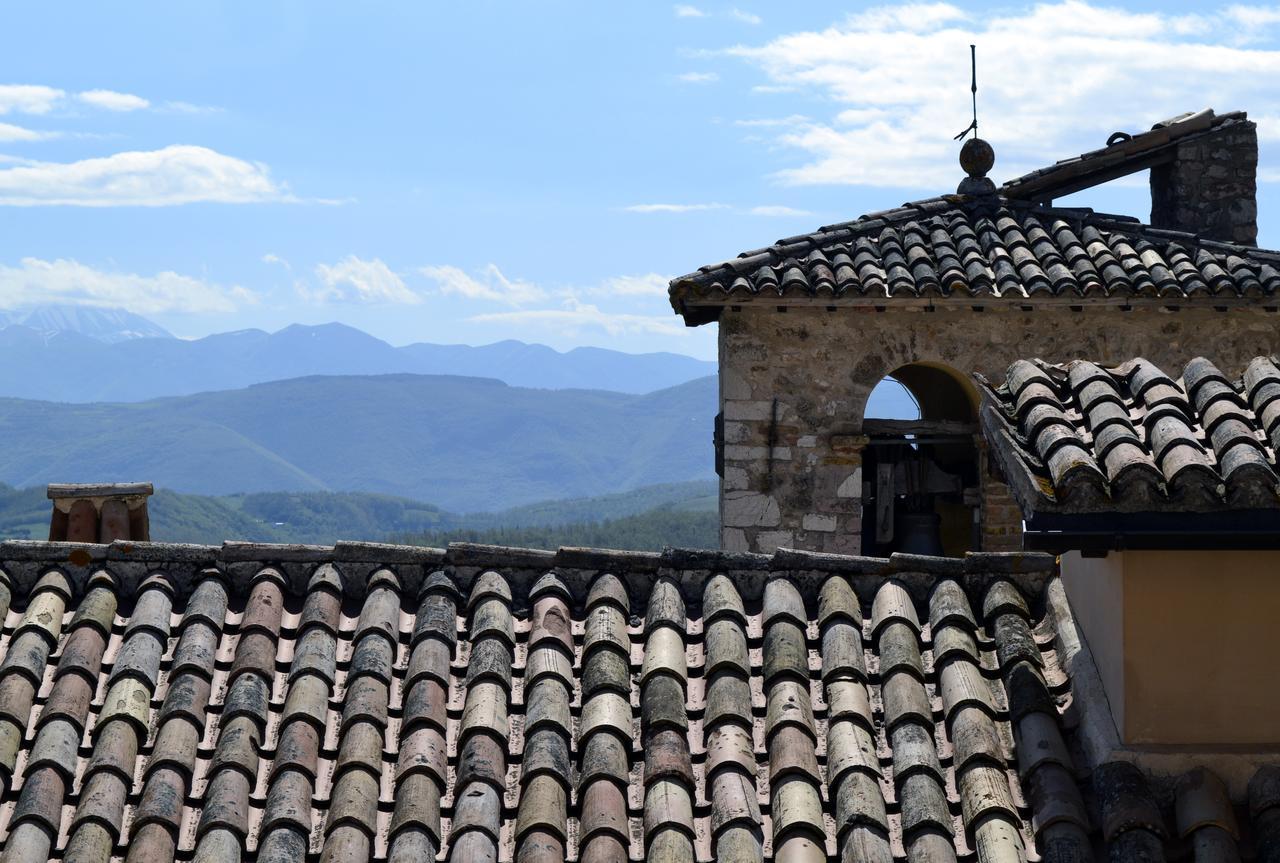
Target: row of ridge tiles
<point>262,724</point>
<point>940,248</point>
<point>1133,431</point>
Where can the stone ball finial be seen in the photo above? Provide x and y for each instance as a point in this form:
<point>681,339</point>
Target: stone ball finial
<point>977,157</point>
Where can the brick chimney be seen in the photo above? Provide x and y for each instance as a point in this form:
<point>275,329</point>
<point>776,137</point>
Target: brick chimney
<point>1210,187</point>
<point>99,512</point>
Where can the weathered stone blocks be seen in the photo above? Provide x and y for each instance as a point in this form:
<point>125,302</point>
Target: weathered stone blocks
<point>822,366</point>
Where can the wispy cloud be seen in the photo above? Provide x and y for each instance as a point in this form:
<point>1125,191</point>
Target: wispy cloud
<point>898,75</point>
<point>10,132</point>
<point>698,77</point>
<point>152,178</point>
<point>648,285</point>
<point>110,100</point>
<point>773,122</point>
<point>488,284</point>
<point>68,281</point>
<point>576,317</point>
<point>683,11</point>
<point>28,98</point>
<point>356,280</point>
<point>759,210</point>
<point>745,17</point>
<point>673,208</point>
<point>189,108</point>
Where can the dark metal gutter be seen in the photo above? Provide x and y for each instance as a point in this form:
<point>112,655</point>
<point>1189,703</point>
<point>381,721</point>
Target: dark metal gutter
<point>1245,530</point>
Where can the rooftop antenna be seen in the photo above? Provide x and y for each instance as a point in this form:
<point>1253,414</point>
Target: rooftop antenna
<point>973,89</point>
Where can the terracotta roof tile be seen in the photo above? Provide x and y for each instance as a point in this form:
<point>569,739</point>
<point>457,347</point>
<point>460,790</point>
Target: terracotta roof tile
<point>997,249</point>
<point>1080,439</point>
<point>691,707</point>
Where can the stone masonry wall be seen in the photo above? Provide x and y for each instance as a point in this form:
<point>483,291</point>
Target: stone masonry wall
<point>802,487</point>
<point>1211,186</point>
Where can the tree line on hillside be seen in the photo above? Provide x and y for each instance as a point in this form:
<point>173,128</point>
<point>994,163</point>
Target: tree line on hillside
<point>677,514</point>
<point>646,531</point>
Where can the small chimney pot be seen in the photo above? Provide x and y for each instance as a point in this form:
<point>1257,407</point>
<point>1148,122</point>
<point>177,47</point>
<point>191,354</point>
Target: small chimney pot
<point>99,512</point>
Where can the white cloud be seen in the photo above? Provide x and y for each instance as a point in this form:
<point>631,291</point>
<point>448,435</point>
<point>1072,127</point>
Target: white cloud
<point>354,280</point>
<point>673,208</point>
<point>10,132</point>
<point>1055,79</point>
<point>66,281</point>
<point>698,77</point>
<point>772,122</point>
<point>577,316</point>
<point>153,178</point>
<point>488,284</point>
<point>761,210</point>
<point>110,100</point>
<point>689,12</point>
<point>28,98</point>
<point>189,108</point>
<point>745,17</point>
<point>648,285</point>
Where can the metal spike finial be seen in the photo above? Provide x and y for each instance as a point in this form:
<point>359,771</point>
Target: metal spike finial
<point>973,90</point>
<point>976,156</point>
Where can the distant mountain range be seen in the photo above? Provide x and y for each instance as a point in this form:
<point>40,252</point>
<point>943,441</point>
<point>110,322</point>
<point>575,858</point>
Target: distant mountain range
<point>464,444</point>
<point>103,325</point>
<point>81,354</point>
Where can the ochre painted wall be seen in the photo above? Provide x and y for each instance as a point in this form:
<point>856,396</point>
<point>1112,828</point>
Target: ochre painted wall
<point>1191,656</point>
<point>1200,662</point>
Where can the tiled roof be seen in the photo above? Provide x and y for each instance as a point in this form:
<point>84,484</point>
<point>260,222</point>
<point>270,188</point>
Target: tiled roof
<point>1198,820</point>
<point>388,703</point>
<point>1123,155</point>
<point>986,249</point>
<point>1084,438</point>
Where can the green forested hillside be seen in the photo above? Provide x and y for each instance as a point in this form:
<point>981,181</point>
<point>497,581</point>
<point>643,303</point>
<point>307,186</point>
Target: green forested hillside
<point>465,444</point>
<point>24,514</point>
<point>652,530</point>
<point>325,517</point>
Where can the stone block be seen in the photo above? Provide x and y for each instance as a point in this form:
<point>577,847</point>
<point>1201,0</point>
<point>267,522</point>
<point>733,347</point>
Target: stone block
<point>807,440</point>
<point>771,540</point>
<point>733,384</point>
<point>844,542</point>
<point>734,539</point>
<point>736,479</point>
<point>848,444</point>
<point>818,522</point>
<point>737,452</point>
<point>741,432</point>
<point>851,486</point>
<point>748,410</point>
<point>750,509</point>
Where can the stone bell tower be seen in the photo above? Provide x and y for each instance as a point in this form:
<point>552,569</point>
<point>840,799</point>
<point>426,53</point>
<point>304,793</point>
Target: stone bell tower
<point>935,290</point>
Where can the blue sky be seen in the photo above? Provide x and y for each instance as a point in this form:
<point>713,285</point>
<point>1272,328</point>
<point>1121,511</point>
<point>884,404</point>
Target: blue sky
<point>480,171</point>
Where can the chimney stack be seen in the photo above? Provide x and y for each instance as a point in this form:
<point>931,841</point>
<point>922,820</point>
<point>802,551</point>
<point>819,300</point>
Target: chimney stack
<point>101,512</point>
<point>1210,187</point>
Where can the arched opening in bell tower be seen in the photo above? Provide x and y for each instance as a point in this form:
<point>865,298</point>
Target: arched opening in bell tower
<point>920,468</point>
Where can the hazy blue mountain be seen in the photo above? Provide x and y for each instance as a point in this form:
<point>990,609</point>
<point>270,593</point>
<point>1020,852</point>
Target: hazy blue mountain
<point>75,365</point>
<point>101,324</point>
<point>464,444</point>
